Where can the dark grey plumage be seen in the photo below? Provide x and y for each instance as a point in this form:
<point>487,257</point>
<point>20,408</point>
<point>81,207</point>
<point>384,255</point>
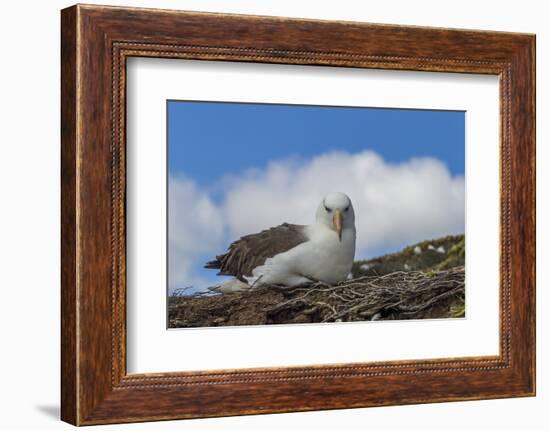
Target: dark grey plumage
<point>252,250</point>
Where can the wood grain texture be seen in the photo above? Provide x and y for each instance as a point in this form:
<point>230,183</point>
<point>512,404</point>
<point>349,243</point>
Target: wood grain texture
<point>69,366</point>
<point>96,41</point>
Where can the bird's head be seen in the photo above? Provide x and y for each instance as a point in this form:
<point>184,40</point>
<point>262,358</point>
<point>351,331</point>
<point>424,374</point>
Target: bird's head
<point>336,212</point>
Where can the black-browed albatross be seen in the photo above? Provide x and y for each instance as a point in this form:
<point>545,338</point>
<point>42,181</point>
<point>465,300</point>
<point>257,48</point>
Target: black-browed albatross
<point>292,255</point>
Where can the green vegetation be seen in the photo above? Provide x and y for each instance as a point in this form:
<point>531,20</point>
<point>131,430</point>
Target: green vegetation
<point>426,256</point>
<point>455,256</point>
<point>458,309</point>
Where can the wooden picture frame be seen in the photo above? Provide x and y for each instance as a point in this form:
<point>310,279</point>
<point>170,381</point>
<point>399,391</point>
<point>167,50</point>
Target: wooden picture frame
<point>95,43</point>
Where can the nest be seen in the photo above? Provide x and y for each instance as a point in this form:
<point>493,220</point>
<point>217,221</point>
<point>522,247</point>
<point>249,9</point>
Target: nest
<point>404,295</point>
<point>398,295</point>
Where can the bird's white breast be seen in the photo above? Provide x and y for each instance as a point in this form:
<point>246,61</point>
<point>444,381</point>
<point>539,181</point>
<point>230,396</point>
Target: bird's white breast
<point>326,258</point>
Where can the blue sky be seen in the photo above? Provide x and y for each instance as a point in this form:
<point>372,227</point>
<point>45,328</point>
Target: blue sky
<point>211,141</point>
<point>212,137</point>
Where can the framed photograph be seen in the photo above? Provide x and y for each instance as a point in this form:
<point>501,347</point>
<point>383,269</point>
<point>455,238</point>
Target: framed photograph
<point>264,214</point>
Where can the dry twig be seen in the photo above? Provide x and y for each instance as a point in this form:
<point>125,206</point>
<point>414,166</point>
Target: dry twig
<point>406,294</point>
<point>398,295</point>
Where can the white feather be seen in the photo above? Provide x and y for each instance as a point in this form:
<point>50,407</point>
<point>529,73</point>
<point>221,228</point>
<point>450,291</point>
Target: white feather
<point>323,258</point>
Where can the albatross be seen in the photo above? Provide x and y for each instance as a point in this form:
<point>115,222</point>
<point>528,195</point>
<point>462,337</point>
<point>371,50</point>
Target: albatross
<point>291,255</point>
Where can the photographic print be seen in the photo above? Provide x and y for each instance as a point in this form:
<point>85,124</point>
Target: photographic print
<point>293,214</point>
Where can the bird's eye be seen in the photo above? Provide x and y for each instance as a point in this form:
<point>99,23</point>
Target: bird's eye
<point>327,209</point>
<point>347,208</point>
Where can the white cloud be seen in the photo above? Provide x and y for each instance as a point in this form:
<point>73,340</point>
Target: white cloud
<point>193,229</point>
<point>395,203</point>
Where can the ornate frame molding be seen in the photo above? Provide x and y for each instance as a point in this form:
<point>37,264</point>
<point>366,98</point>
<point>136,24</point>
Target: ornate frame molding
<point>96,41</point>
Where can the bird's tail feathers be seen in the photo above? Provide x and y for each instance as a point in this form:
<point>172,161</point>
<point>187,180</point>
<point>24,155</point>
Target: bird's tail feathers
<point>234,285</point>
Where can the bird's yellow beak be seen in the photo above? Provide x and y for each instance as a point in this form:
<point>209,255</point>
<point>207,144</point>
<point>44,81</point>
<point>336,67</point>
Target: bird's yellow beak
<point>338,221</point>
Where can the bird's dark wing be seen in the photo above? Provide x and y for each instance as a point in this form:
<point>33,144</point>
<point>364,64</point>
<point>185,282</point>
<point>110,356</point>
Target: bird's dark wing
<point>251,251</point>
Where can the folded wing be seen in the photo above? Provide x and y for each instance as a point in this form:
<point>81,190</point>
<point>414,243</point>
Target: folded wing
<point>252,250</point>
